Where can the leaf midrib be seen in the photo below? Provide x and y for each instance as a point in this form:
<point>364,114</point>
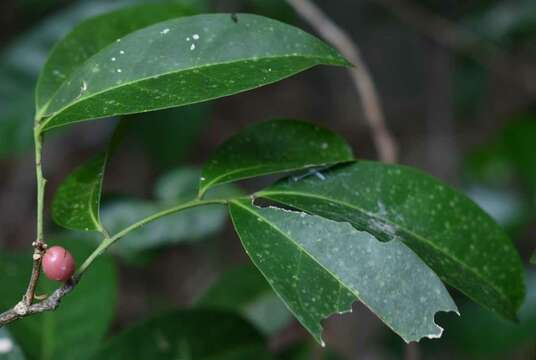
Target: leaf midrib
<point>200,67</point>
<point>341,283</point>
<point>216,180</point>
<point>91,21</point>
<point>407,231</point>
<point>96,189</point>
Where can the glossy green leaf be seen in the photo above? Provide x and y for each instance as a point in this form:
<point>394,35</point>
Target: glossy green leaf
<point>9,349</point>
<point>188,334</point>
<point>184,61</point>
<point>271,147</point>
<point>244,290</point>
<point>79,325</point>
<point>21,61</point>
<point>319,267</point>
<point>93,35</point>
<point>458,240</point>
<point>76,203</point>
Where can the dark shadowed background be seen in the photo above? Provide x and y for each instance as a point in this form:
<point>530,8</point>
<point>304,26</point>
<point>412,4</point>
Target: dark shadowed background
<point>457,82</point>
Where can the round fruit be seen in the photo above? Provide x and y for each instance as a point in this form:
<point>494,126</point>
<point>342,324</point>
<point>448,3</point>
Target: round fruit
<point>58,264</point>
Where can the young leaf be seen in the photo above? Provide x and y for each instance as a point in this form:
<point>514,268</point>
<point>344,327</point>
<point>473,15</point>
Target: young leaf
<point>76,204</point>
<point>93,35</point>
<point>319,267</point>
<point>458,240</point>
<point>271,147</point>
<point>74,331</point>
<point>188,334</point>
<point>9,349</point>
<point>184,61</point>
<point>77,201</point>
<point>244,290</point>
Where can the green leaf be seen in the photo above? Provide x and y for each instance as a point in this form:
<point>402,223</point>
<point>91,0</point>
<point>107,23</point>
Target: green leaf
<point>458,240</point>
<point>533,258</point>
<point>272,147</point>
<point>188,334</point>
<point>93,35</point>
<point>245,291</point>
<point>76,205</point>
<point>77,201</point>
<point>9,349</point>
<point>319,267</point>
<point>184,61</point>
<point>21,62</point>
<point>78,326</point>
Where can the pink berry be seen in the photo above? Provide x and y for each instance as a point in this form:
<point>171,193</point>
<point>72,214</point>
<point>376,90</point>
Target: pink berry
<point>58,264</point>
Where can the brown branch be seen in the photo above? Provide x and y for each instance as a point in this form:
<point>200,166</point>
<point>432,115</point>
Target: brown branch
<point>449,34</point>
<point>22,310</point>
<point>383,140</point>
<point>39,251</point>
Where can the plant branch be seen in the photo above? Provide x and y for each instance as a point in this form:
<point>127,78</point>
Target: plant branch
<point>39,244</point>
<point>383,140</point>
<point>109,241</point>
<point>22,310</point>
<point>453,36</point>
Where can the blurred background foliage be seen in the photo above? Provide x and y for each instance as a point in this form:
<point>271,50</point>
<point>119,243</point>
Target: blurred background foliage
<point>457,81</point>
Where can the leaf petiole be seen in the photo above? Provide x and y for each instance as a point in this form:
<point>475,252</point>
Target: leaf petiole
<point>110,240</point>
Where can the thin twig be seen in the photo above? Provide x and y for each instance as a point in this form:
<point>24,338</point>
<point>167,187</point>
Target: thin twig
<point>21,310</point>
<point>458,38</point>
<point>383,140</point>
<point>39,244</point>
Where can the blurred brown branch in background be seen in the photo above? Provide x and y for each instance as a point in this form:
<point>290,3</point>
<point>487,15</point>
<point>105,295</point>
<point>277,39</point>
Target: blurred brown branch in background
<point>450,34</point>
<point>383,140</point>
<point>22,310</point>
